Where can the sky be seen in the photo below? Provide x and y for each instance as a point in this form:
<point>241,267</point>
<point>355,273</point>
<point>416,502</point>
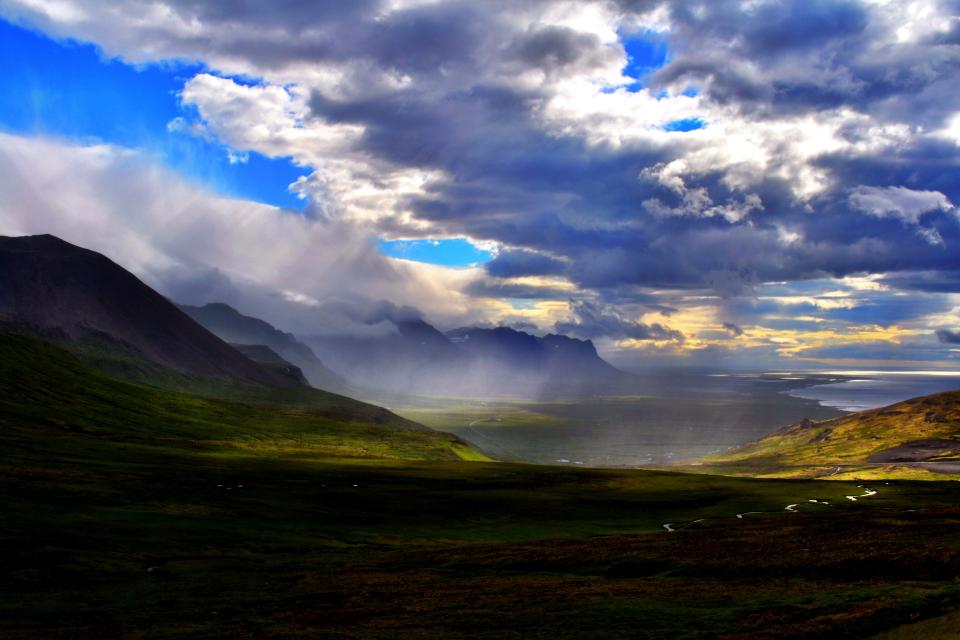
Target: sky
<point>732,183</point>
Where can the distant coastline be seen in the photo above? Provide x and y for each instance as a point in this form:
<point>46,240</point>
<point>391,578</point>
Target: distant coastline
<point>872,389</point>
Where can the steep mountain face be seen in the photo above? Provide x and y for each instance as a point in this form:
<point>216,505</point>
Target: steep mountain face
<point>54,288</point>
<point>564,358</point>
<point>419,359</point>
<point>234,327</point>
<point>507,347</point>
<point>915,436</point>
<point>416,358</point>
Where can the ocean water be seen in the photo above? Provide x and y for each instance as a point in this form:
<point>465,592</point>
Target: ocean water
<point>869,390</point>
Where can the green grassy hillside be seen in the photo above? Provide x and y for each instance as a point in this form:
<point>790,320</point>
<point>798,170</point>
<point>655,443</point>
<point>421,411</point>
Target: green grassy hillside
<point>104,357</point>
<point>44,387</point>
<point>136,512</point>
<point>919,438</point>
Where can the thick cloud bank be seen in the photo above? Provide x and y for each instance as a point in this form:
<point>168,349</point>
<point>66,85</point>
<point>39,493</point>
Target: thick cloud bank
<point>818,146</point>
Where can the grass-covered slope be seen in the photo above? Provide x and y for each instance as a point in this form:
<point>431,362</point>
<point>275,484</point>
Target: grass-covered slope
<point>918,438</point>
<point>46,390</point>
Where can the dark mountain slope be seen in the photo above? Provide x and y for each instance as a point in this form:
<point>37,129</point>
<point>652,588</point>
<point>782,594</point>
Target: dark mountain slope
<point>234,327</point>
<point>506,346</point>
<point>63,291</point>
<point>563,352</point>
<point>267,357</point>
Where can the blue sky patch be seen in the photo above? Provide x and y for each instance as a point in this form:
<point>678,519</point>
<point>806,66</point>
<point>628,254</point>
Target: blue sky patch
<point>646,51</point>
<point>70,90</point>
<point>448,252</point>
<point>685,124</point>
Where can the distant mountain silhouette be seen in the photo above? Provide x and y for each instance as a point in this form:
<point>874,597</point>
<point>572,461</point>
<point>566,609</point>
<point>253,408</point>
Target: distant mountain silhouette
<point>416,358</point>
<point>62,291</point>
<point>567,362</point>
<point>419,359</point>
<point>238,329</point>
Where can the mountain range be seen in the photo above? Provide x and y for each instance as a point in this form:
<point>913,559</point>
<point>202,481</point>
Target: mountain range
<point>419,359</point>
<point>67,293</point>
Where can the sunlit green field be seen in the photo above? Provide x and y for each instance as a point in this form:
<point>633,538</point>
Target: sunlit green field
<point>135,512</point>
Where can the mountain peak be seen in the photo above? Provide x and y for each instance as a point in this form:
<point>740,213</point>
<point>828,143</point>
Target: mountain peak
<point>42,242</point>
<point>560,356</point>
<point>220,307</point>
<point>49,285</point>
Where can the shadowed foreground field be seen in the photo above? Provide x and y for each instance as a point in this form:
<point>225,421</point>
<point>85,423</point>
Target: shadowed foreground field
<point>135,512</point>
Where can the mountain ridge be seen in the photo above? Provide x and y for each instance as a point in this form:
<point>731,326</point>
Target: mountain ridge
<point>553,352</point>
<point>419,359</point>
<point>234,327</point>
<point>49,286</point>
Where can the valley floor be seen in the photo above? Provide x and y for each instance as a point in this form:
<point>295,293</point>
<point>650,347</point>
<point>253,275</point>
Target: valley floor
<point>663,426</point>
<point>134,512</point>
<point>203,545</point>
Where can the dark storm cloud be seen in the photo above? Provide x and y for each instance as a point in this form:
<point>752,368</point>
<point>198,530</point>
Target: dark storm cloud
<point>286,13</point>
<point>949,37</point>
<point>798,55</point>
<point>802,25</point>
<point>733,329</point>
<point>593,321</point>
<point>732,258</point>
<point>887,311</point>
<point>932,281</point>
<point>877,351</point>
<point>575,201</point>
<point>922,164</point>
<point>500,289</point>
<point>417,40</point>
<point>371,311</point>
<point>772,28</point>
<point>555,48</point>
<point>525,263</point>
<point>515,184</point>
<point>947,336</point>
<point>510,179</point>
